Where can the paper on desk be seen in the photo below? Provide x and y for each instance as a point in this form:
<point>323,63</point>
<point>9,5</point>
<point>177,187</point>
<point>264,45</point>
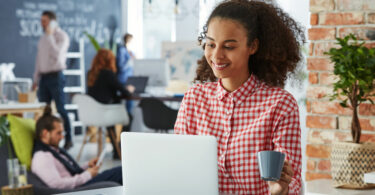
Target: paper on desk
<point>369,177</point>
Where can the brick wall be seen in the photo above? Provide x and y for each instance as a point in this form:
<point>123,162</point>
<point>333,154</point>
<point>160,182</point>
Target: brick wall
<point>327,121</point>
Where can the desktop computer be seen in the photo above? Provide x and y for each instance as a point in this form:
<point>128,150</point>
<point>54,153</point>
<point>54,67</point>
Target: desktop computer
<point>157,71</point>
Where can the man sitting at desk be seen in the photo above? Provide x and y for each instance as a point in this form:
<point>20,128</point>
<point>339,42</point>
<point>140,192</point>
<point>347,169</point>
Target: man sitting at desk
<point>55,167</point>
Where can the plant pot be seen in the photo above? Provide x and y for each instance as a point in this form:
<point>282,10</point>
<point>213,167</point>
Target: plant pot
<point>349,162</point>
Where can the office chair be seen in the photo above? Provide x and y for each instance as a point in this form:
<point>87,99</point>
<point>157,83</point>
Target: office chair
<point>156,115</point>
<point>93,113</point>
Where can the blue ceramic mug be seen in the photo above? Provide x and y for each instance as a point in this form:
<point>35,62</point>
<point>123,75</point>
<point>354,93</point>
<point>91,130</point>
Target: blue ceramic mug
<point>270,165</point>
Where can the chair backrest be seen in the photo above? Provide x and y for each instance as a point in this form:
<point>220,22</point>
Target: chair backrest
<point>156,115</point>
<point>93,113</point>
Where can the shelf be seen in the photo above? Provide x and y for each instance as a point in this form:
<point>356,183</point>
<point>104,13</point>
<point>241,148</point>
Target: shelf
<point>74,55</point>
<point>77,123</point>
<point>71,107</point>
<point>74,90</point>
<point>72,72</point>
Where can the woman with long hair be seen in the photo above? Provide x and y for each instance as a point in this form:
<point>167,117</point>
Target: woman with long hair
<point>102,82</point>
<point>250,48</point>
<point>104,86</point>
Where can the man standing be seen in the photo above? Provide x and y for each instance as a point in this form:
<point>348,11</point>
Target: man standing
<point>63,171</point>
<point>50,61</point>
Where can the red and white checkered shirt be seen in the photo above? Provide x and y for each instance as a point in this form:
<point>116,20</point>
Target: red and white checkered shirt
<point>253,118</point>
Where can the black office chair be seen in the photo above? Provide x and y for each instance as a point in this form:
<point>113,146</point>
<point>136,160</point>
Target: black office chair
<point>156,115</point>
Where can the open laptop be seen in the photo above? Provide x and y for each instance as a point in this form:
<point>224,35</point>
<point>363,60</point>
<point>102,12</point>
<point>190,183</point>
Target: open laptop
<point>169,164</point>
<point>139,82</point>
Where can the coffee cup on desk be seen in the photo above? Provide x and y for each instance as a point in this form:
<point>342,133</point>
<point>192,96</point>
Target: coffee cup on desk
<point>270,165</point>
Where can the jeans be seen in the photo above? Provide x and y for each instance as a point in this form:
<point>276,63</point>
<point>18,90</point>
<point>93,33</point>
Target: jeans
<point>51,87</point>
<point>114,174</point>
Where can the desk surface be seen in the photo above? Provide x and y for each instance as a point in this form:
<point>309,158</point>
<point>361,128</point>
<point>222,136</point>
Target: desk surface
<point>17,105</point>
<point>162,98</point>
<point>104,191</point>
<point>315,187</point>
<point>324,187</point>
<point>118,190</point>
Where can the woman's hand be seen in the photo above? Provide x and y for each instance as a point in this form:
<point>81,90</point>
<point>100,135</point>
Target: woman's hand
<point>130,88</point>
<point>280,187</point>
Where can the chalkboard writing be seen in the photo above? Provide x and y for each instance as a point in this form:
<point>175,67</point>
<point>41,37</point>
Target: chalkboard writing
<point>20,28</point>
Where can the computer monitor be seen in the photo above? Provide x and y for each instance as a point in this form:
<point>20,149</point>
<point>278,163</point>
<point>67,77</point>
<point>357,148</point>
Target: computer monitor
<point>157,71</point>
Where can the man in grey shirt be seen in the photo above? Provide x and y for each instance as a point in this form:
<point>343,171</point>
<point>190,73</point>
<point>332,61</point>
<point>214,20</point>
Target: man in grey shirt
<point>50,62</point>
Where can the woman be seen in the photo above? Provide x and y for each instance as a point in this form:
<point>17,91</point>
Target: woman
<point>104,86</point>
<point>250,48</point>
<point>102,82</point>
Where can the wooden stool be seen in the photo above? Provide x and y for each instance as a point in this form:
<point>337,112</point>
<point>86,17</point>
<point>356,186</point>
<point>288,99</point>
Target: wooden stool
<point>24,190</point>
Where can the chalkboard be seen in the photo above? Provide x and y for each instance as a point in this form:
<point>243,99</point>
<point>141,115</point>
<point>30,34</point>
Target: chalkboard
<point>20,28</point>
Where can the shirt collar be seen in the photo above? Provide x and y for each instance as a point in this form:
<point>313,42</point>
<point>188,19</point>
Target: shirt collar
<point>246,89</point>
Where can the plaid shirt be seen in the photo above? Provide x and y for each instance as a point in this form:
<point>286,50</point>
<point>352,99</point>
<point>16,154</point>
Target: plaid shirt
<point>253,118</point>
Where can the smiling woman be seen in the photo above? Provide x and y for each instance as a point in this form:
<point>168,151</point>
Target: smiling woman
<point>250,47</point>
<point>276,36</point>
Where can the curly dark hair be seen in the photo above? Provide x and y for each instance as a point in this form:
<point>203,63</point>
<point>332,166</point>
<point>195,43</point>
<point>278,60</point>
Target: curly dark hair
<point>280,39</point>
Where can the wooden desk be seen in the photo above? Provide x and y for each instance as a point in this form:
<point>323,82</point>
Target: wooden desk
<point>21,108</point>
<point>324,187</point>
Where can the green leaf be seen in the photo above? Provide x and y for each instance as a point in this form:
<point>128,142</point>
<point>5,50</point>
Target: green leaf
<point>343,104</point>
<point>114,48</point>
<point>93,41</point>
<point>106,44</point>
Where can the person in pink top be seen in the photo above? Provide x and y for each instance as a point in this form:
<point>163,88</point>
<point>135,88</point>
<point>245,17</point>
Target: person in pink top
<point>55,167</point>
<point>250,47</point>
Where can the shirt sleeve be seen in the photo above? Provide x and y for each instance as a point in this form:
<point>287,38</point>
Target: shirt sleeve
<point>58,43</point>
<point>37,71</point>
<point>287,138</point>
<point>52,177</point>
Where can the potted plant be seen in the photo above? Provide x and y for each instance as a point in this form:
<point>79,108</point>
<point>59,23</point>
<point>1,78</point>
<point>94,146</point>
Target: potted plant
<point>5,134</point>
<point>97,46</point>
<point>12,163</point>
<point>354,67</point>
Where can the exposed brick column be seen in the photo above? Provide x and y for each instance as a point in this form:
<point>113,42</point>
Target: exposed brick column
<point>326,120</point>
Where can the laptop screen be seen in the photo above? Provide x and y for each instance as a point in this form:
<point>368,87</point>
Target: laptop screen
<point>139,82</point>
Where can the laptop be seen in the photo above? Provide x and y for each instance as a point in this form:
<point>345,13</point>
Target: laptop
<point>139,82</point>
<point>169,164</point>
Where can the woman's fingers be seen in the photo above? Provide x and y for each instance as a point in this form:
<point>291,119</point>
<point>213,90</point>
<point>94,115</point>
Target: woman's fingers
<point>285,178</point>
<point>288,169</point>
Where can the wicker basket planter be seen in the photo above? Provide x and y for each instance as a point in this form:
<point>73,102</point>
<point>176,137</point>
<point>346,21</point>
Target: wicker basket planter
<point>349,161</point>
